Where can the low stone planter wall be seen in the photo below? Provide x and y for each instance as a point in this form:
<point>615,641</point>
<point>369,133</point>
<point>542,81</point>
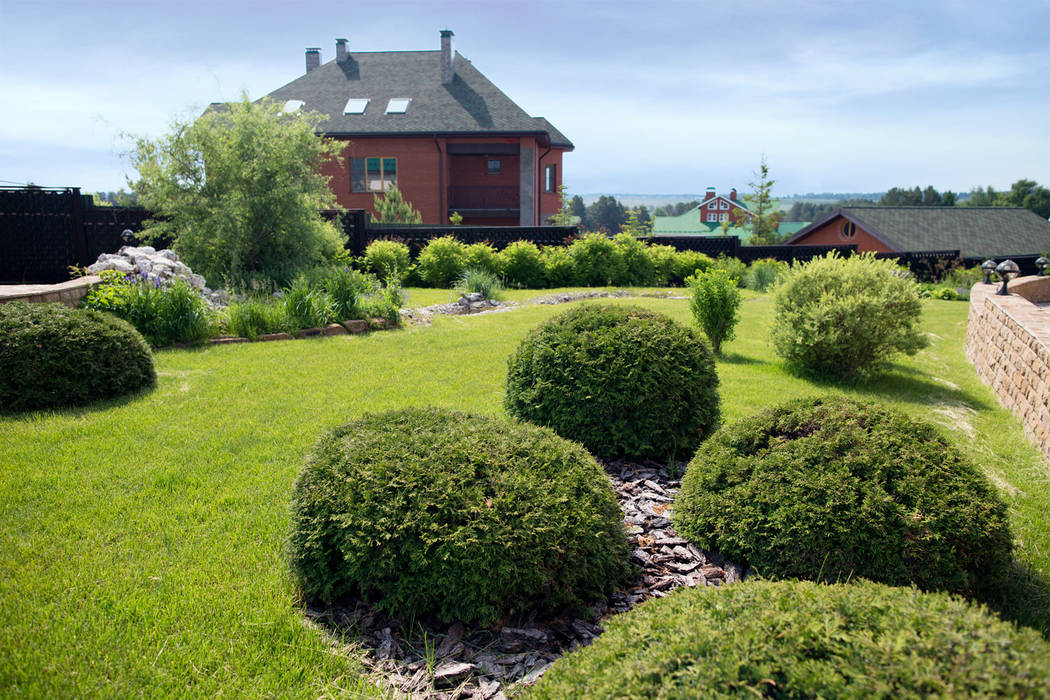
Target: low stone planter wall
<point>1008,342</point>
<point>69,293</point>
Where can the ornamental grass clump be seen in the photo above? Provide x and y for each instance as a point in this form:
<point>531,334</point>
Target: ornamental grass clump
<point>796,639</point>
<point>432,512</point>
<point>830,489</point>
<point>844,318</point>
<point>53,356</point>
<point>619,379</point>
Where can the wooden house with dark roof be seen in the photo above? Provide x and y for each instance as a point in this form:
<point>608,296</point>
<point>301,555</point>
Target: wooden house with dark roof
<point>974,231</point>
<point>431,123</point>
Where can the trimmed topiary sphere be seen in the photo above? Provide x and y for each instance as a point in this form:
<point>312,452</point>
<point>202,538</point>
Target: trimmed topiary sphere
<point>426,511</point>
<point>620,379</point>
<point>797,639</point>
<point>51,356</point>
<point>832,488</point>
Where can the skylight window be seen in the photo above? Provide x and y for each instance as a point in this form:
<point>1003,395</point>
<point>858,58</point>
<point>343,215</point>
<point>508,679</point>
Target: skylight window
<point>398,105</point>
<point>292,106</point>
<point>355,105</point>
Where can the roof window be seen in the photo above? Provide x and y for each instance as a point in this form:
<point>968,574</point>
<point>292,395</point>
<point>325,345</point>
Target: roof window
<point>355,105</point>
<point>398,105</point>
<point>292,106</point>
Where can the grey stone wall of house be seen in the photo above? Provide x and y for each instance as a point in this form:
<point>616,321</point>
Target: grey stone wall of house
<point>527,187</point>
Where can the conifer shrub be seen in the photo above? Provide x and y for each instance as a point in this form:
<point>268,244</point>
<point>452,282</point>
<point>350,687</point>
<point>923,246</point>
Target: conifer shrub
<point>844,318</point>
<point>432,512</point>
<point>388,259</point>
<point>597,260</point>
<point>620,379</point>
<point>441,261</point>
<point>53,356</point>
<point>521,264</point>
<point>798,639</point>
<point>832,488</point>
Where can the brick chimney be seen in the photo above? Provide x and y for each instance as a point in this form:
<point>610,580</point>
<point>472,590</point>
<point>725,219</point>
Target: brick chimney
<point>340,50</point>
<point>732,194</point>
<point>448,57</point>
<point>313,59</point>
<point>709,194</point>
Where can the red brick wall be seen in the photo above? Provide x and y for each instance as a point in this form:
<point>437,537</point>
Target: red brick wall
<point>831,234</point>
<point>549,200</point>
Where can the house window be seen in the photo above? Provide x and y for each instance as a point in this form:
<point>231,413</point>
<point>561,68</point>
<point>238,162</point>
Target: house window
<point>494,167</point>
<point>713,205</point>
<point>550,178</point>
<point>723,217</point>
<point>398,105</point>
<point>723,204</point>
<point>712,218</point>
<point>849,230</point>
<point>372,174</point>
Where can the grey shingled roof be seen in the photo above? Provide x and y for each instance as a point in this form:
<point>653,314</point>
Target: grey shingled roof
<point>470,104</point>
<point>973,231</point>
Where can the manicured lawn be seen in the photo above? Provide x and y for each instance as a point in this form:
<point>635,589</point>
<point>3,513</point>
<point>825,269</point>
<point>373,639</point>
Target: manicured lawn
<point>141,540</point>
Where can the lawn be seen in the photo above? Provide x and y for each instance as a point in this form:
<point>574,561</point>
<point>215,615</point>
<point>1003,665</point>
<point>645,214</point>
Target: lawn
<point>142,539</point>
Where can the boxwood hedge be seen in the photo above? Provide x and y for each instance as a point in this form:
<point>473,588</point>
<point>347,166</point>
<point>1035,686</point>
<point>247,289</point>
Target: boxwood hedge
<point>52,356</point>
<point>793,639</point>
<point>620,379</point>
<point>832,488</point>
<point>431,512</point>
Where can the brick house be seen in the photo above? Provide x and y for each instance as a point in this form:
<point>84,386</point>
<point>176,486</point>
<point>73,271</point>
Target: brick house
<point>973,231</point>
<point>431,123</point>
<point>706,218</point>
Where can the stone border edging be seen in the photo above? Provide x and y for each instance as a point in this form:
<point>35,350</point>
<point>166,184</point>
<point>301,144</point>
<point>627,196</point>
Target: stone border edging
<point>69,293</point>
<point>1008,343</point>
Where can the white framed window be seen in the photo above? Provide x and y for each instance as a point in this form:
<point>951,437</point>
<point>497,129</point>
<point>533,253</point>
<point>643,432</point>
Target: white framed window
<point>723,204</point>
<point>723,217</point>
<point>713,205</point>
<point>712,218</point>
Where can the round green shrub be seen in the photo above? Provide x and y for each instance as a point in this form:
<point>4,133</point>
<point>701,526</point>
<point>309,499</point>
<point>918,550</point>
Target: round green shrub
<point>597,260</point>
<point>522,265</point>
<point>662,258</point>
<point>832,488</point>
<point>388,259</point>
<point>689,262</point>
<point>441,261</point>
<point>620,379</point>
<point>52,356</point>
<point>845,317</point>
<point>426,511</point>
<point>559,267</point>
<point>796,639</point>
<point>638,268</point>
<point>481,256</point>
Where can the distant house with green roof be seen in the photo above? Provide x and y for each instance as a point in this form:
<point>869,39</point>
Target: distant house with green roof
<point>707,218</point>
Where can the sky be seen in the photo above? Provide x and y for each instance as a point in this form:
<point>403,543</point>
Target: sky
<point>658,97</point>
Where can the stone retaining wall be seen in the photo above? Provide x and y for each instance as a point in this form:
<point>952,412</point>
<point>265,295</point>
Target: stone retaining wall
<point>1008,342</point>
<point>68,293</point>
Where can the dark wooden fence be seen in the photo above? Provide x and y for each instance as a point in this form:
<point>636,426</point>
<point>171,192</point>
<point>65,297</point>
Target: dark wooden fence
<point>45,230</point>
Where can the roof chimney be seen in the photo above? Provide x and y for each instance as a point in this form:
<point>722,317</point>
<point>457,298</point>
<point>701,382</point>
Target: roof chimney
<point>448,57</point>
<point>313,59</point>
<point>709,194</point>
<point>340,50</point>
<point>732,194</point>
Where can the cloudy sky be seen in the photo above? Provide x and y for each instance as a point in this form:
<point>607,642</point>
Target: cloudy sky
<point>659,97</point>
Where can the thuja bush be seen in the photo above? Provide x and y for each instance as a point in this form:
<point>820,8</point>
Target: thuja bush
<point>388,259</point>
<point>832,488</point>
<point>619,379</point>
<point>844,318</point>
<point>431,512</point>
<point>521,264</point>
<point>597,261</point>
<point>441,261</point>
<point>799,639</point>
<point>52,356</point>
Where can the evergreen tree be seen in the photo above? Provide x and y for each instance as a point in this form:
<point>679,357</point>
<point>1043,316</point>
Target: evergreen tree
<point>606,213</point>
<point>765,219</point>
<point>391,208</point>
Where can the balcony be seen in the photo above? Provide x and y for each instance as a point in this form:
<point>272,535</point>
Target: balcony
<point>481,200</point>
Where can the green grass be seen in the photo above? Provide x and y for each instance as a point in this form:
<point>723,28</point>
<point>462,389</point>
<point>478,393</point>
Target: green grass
<point>142,540</point>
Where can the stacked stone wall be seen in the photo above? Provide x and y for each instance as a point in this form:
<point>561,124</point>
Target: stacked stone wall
<point>1008,342</point>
